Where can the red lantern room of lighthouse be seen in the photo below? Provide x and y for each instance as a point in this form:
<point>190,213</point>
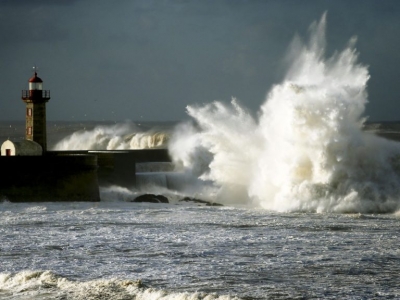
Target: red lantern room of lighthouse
<point>35,99</point>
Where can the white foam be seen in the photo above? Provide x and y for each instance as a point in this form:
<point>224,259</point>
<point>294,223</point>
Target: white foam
<point>306,151</point>
<point>120,136</point>
<point>47,285</point>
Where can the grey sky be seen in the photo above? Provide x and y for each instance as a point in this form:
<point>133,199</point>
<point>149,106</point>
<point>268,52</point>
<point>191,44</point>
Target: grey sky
<point>149,59</point>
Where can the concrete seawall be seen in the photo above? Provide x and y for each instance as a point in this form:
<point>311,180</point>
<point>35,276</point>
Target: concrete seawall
<point>43,178</point>
<point>71,175</point>
<point>118,167</point>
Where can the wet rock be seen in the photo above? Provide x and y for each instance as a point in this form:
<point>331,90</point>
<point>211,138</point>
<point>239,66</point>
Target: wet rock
<point>207,203</point>
<point>151,198</point>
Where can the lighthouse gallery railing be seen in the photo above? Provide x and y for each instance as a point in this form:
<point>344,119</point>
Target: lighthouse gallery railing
<point>29,93</point>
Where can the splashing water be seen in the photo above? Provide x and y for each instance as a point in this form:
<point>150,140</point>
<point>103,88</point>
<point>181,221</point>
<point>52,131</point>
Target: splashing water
<point>307,150</point>
<point>47,285</point>
<point>114,137</point>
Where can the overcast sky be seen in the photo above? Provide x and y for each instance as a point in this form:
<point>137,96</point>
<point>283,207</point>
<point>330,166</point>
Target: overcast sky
<point>148,59</point>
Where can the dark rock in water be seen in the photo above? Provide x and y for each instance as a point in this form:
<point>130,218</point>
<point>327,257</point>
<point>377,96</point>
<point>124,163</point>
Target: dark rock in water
<point>214,204</point>
<point>162,199</point>
<point>151,198</point>
<point>207,203</point>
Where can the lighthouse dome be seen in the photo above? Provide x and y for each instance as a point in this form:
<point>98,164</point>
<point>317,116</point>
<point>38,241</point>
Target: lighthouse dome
<point>35,78</point>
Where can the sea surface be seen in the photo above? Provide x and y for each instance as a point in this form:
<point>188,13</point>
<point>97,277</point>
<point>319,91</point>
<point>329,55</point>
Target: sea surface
<point>100,251</point>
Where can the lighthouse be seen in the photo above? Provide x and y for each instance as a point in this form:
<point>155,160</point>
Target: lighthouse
<point>36,99</point>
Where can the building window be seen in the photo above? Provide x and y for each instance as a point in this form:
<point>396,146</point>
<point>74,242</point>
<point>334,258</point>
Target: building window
<point>29,130</point>
<point>29,112</point>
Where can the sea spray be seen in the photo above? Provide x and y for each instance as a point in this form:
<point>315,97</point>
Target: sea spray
<point>119,136</point>
<point>306,151</point>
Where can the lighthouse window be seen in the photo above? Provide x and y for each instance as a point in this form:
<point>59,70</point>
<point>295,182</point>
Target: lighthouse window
<point>29,112</point>
<point>29,130</point>
<point>35,86</point>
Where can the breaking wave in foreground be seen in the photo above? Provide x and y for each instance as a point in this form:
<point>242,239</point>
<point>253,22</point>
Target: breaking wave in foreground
<point>47,285</point>
<point>306,151</point>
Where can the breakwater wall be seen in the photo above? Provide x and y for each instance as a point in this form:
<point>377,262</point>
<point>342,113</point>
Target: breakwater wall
<point>118,167</point>
<point>71,175</point>
<point>47,178</point>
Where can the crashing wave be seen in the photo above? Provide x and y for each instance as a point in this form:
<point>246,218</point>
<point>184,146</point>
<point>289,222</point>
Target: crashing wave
<point>114,137</point>
<point>307,150</point>
<point>47,285</point>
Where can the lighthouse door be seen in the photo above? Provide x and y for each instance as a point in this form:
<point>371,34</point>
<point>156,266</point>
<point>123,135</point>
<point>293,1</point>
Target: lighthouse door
<point>8,152</point>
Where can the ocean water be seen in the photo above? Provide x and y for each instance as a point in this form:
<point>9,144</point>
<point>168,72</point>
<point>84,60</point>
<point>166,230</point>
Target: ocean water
<point>100,251</point>
<point>311,195</point>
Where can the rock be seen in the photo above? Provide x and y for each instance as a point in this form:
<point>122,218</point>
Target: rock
<point>151,198</point>
<point>214,204</point>
<point>162,199</point>
<point>207,203</point>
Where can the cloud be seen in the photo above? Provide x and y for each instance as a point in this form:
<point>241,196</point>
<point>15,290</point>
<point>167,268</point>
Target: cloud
<point>161,55</point>
<point>36,3</point>
<point>23,22</point>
